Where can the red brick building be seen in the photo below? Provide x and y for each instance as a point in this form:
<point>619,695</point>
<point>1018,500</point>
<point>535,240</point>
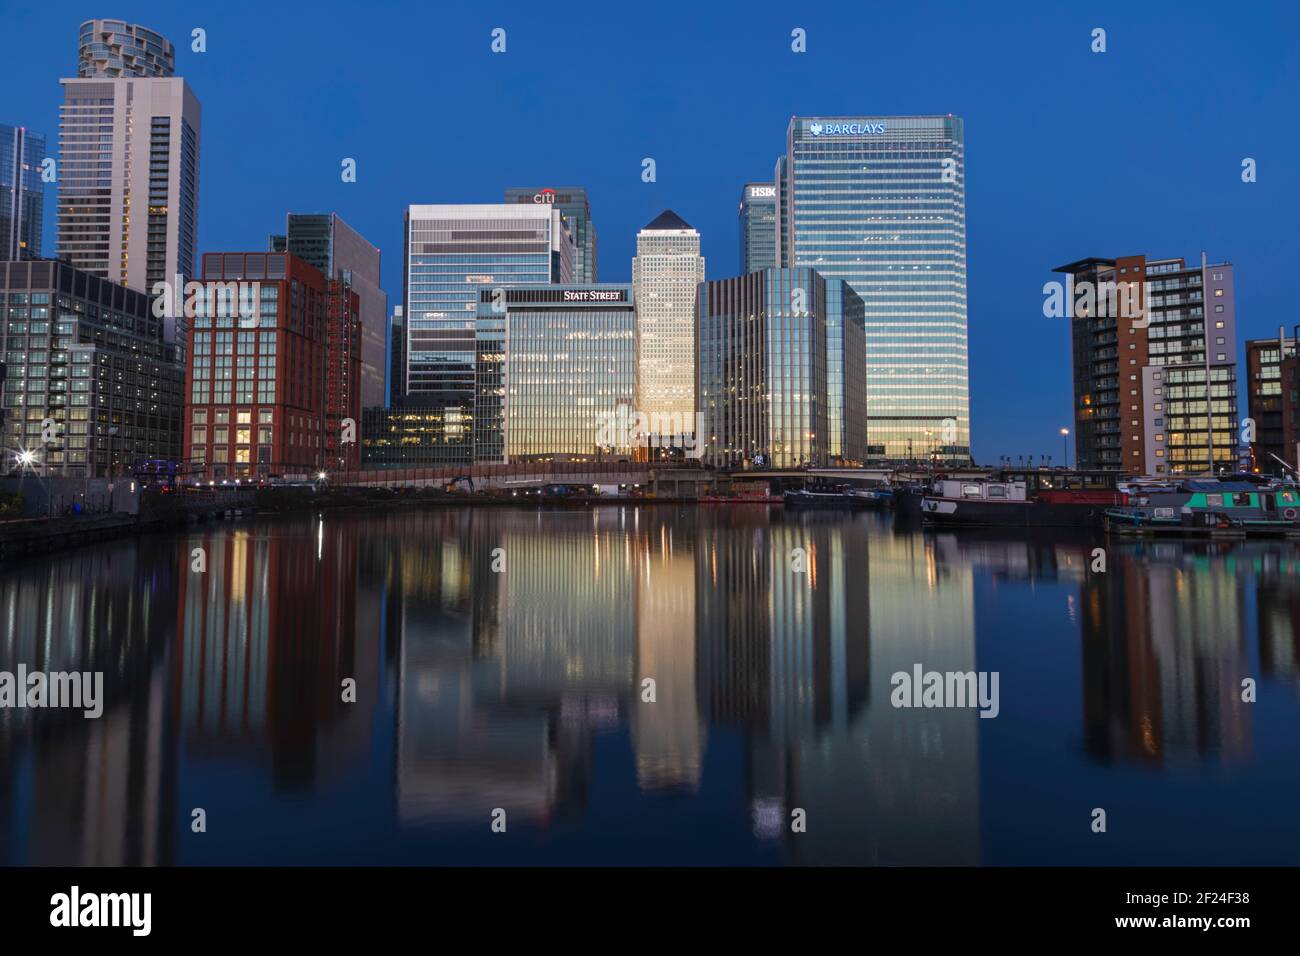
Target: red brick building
<point>273,368</point>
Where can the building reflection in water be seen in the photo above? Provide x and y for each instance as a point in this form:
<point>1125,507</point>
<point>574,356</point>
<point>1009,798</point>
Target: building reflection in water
<point>78,792</point>
<point>498,655</point>
<point>1164,653</point>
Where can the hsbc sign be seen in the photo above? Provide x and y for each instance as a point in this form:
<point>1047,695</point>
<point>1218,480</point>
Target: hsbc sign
<point>762,192</point>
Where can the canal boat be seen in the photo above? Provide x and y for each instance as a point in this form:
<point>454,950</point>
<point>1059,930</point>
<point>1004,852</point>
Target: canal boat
<point>1201,506</point>
<point>827,497</point>
<point>1042,498</point>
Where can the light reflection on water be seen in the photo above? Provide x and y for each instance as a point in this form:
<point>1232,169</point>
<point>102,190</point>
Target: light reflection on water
<point>521,689</point>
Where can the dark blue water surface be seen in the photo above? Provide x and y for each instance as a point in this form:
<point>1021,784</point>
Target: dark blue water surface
<point>511,680</point>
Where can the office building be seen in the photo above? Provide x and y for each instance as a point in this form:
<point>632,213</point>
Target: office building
<point>452,252</point>
<point>1273,374</point>
<point>846,375</point>
<point>270,374</point>
<point>880,201</point>
<point>666,274</point>
<point>413,436</point>
<point>396,357</point>
<point>327,242</point>
<point>22,193</point>
<point>129,164</point>
<point>559,377</point>
<point>576,209</point>
<point>86,357</point>
<point>763,377</point>
<point>1146,335</point>
<point>757,227</point>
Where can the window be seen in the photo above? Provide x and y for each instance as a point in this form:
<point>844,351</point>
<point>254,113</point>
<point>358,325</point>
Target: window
<point>1219,308</point>
<point>971,491</point>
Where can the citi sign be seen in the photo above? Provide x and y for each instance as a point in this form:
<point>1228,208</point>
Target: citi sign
<point>846,129</point>
<point>545,197</point>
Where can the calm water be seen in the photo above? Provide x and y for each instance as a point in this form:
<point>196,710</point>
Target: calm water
<point>520,689</point>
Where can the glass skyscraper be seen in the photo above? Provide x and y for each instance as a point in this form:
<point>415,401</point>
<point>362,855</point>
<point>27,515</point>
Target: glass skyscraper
<point>452,252</point>
<point>879,201</point>
<point>576,208</point>
<point>764,370</point>
<point>22,193</point>
<point>757,227</point>
<point>565,370</point>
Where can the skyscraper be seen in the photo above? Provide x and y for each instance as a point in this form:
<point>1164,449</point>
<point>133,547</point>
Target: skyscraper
<point>765,354</point>
<point>880,202</point>
<point>452,251</point>
<point>129,167</point>
<point>569,368</point>
<point>340,252</point>
<point>757,227</point>
<point>576,208</point>
<point>22,193</point>
<point>1146,334</point>
<point>666,273</point>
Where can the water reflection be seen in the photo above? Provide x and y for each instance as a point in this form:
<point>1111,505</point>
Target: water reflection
<point>500,660</point>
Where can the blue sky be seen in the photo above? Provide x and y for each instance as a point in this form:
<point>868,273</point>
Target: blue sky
<point>1069,153</point>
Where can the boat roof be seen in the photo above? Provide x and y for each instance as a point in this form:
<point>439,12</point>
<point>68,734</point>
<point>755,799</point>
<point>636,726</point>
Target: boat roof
<point>1211,484</point>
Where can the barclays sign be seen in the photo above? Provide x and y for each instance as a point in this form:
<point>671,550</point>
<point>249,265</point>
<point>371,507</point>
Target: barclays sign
<point>846,129</point>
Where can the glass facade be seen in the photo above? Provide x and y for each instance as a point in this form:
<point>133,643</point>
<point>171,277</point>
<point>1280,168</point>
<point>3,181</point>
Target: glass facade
<point>757,227</point>
<point>880,203</point>
<point>846,375</point>
<point>576,209</point>
<point>413,437</point>
<point>562,374</point>
<point>22,193</point>
<point>762,370</point>
<point>86,355</point>
<point>452,253</point>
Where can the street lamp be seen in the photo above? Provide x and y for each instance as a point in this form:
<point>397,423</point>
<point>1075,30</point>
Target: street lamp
<point>1065,445</point>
